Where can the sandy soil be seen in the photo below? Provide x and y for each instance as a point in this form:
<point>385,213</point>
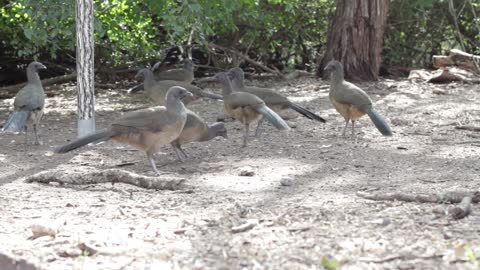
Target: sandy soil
<point>317,222</point>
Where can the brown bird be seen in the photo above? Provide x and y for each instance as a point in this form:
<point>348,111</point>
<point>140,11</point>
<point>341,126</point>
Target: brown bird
<point>184,74</point>
<point>146,130</point>
<point>246,107</point>
<point>156,90</point>
<point>28,104</point>
<point>196,130</point>
<point>273,99</point>
<point>352,102</point>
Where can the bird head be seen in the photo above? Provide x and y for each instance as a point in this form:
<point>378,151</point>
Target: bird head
<point>36,66</point>
<point>236,72</point>
<point>178,92</point>
<point>143,73</point>
<point>219,130</point>
<point>332,66</point>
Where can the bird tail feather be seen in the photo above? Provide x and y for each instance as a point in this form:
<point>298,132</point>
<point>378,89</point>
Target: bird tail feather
<point>273,117</point>
<point>309,114</point>
<point>135,89</point>
<point>16,121</point>
<point>98,136</point>
<point>380,123</point>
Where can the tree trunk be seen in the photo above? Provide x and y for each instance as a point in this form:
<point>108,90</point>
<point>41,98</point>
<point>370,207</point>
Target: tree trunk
<point>356,37</point>
<point>85,71</point>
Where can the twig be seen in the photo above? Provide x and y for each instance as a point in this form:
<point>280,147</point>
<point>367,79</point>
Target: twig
<point>248,59</point>
<point>250,224</point>
<point>470,128</point>
<point>462,209</point>
<point>447,197</point>
<point>84,175</point>
<point>11,90</point>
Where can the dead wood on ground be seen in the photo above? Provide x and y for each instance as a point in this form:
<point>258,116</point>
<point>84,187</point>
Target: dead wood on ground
<point>457,66</point>
<point>85,175</point>
<point>469,128</point>
<point>447,197</point>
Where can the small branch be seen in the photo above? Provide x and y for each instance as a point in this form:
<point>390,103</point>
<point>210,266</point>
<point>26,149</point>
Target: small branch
<point>462,209</point>
<point>447,197</point>
<point>470,128</point>
<point>248,59</point>
<point>85,175</point>
<point>46,82</point>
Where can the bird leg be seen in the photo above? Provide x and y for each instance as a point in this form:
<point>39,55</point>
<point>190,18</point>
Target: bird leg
<point>353,128</point>
<point>179,154</point>
<point>152,163</point>
<point>345,127</point>
<point>259,129</point>
<point>183,152</point>
<point>36,136</point>
<point>245,137</point>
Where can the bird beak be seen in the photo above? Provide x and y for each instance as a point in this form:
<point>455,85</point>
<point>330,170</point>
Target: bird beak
<point>42,67</point>
<point>185,94</point>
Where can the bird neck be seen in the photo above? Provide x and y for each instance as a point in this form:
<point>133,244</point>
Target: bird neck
<point>337,76</point>
<point>174,104</point>
<point>226,88</point>
<point>207,135</point>
<point>33,78</point>
<point>238,83</point>
<point>148,79</point>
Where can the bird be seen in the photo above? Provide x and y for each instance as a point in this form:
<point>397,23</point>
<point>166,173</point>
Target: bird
<point>156,90</point>
<point>351,101</point>
<point>273,99</point>
<point>246,107</point>
<point>196,130</point>
<point>146,129</point>
<point>28,104</point>
<point>184,74</point>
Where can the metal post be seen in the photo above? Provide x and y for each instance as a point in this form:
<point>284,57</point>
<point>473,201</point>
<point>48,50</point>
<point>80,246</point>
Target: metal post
<point>85,67</point>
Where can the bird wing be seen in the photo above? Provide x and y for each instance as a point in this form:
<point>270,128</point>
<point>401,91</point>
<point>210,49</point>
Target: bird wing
<point>269,96</point>
<point>29,98</point>
<point>151,119</point>
<point>349,93</point>
<point>242,99</point>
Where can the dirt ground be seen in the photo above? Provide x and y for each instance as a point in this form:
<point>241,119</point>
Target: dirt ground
<point>316,222</point>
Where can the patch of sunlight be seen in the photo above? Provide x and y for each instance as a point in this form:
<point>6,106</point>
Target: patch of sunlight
<point>303,99</point>
<point>267,174</point>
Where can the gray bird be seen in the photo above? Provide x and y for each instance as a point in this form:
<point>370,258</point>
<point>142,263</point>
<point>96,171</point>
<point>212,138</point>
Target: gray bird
<point>146,129</point>
<point>352,102</point>
<point>273,99</point>
<point>246,107</point>
<point>196,130</point>
<point>184,75</point>
<point>156,90</point>
<point>28,104</point>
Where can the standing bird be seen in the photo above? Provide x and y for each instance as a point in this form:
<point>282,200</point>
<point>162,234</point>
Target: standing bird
<point>352,102</point>
<point>184,74</point>
<point>28,104</point>
<point>274,100</point>
<point>196,130</point>
<point>146,130</point>
<point>156,90</point>
<point>246,107</point>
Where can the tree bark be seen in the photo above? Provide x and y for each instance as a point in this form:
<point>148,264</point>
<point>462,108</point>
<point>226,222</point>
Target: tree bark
<point>85,67</point>
<point>356,37</point>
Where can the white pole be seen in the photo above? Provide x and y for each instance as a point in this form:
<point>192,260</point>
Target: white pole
<point>85,67</point>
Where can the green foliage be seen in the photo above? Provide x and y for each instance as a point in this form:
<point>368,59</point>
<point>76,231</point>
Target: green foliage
<point>284,32</point>
<point>417,30</point>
